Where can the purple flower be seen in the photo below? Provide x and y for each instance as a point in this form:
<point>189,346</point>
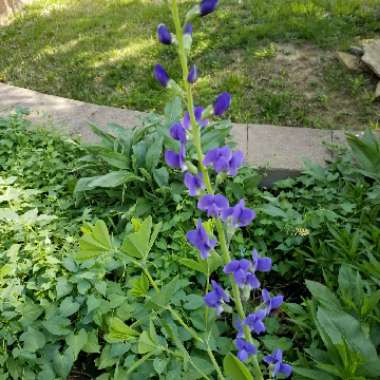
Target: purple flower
<point>213,204</point>
<point>198,111</point>
<point>245,348</point>
<point>161,75</point>
<point>199,239</point>
<point>224,160</point>
<point>255,321</point>
<point>194,183</point>
<point>222,103</point>
<point>193,74</point>
<point>239,215</point>
<point>207,6</point>
<point>176,160</point>
<point>271,303</point>
<point>188,29</point>
<point>240,328</point>
<point>164,35</point>
<point>261,264</point>
<point>177,132</point>
<point>242,272</point>
<point>275,361</point>
<point>216,297</point>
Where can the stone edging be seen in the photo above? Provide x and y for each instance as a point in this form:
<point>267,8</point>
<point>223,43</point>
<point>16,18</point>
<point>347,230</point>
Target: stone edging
<point>280,149</point>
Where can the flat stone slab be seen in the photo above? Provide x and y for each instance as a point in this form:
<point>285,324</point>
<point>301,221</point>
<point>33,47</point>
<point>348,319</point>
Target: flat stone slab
<point>371,55</point>
<point>282,150</point>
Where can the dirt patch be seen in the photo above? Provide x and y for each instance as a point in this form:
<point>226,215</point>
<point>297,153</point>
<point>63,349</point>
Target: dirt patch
<point>321,86</point>
<point>302,64</point>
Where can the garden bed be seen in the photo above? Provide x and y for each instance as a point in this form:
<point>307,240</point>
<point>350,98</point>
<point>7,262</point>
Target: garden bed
<point>70,307</point>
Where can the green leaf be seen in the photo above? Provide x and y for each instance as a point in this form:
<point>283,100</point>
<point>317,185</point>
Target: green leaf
<point>323,295</point>
<point>33,339</point>
<point>139,243</point>
<point>95,242</point>
<point>68,307</point>
<point>153,237</point>
<point>271,342</point>
<point>63,287</point>
<point>161,176</point>
<point>173,110</point>
<point>160,364</point>
<point>341,327</point>
<point>193,302</point>
<point>235,369</point>
<point>109,180</point>
<point>106,359</point>
<point>203,364</point>
<point>153,154</point>
<point>146,344</point>
<point>93,303</point>
<point>312,374</point>
<point>167,292</point>
<point>140,286</point>
<point>92,343</point>
<point>63,363</point>
<point>118,331</point>
<point>115,159</point>
<point>206,267</point>
<point>76,342</point>
<point>57,325</point>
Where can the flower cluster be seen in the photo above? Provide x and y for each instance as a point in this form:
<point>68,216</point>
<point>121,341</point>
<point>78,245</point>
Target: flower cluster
<point>243,273</point>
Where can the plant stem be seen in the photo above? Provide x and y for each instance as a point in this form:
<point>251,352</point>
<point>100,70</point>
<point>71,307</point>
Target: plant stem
<point>196,136</point>
<point>215,363</point>
<point>236,296</point>
<point>140,362</point>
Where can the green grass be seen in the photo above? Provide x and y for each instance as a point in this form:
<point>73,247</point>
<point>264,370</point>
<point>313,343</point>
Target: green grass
<point>103,52</point>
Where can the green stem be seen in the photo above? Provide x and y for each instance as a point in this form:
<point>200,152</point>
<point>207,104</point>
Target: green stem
<point>195,128</point>
<point>179,319</point>
<point>236,296</point>
<point>215,363</point>
<point>140,362</point>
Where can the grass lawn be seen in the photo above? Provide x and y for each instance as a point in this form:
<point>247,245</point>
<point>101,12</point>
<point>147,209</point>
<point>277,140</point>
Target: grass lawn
<point>275,56</point>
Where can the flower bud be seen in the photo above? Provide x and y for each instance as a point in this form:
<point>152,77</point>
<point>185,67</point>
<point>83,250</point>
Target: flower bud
<point>164,35</point>
<point>222,103</point>
<point>207,6</point>
<point>193,74</point>
<point>187,37</point>
<point>161,75</point>
<point>188,29</point>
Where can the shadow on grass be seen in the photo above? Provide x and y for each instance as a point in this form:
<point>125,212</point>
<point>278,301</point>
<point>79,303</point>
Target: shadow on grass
<point>104,51</point>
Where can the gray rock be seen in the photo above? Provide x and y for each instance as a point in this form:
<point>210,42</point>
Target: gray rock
<point>377,92</point>
<point>356,50</point>
<point>352,62</point>
<point>371,55</point>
